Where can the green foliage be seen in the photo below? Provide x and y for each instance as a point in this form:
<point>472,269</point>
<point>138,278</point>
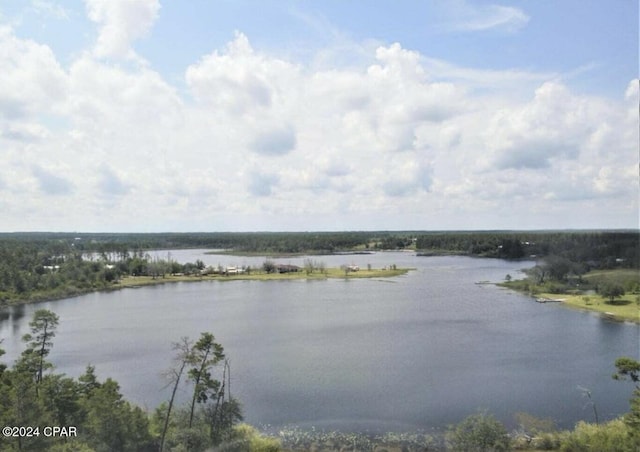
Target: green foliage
<point>245,438</point>
<point>20,405</point>
<point>611,291</point>
<point>269,266</point>
<point>629,368</point>
<point>44,266</point>
<point>478,432</point>
<point>103,420</point>
<point>221,417</point>
<point>112,423</point>
<point>43,327</point>
<point>610,437</point>
<point>205,354</point>
<point>595,249</point>
<point>61,397</point>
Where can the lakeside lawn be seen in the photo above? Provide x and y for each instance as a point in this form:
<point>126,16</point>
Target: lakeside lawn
<point>626,277</point>
<point>623,308</point>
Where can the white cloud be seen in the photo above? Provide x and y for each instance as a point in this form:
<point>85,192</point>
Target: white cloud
<point>121,22</point>
<point>241,81</point>
<point>111,184</point>
<point>406,179</point>
<point>31,80</point>
<point>23,131</point>
<point>51,182</point>
<point>471,17</point>
<point>262,184</point>
<point>276,141</point>
<point>259,135</point>
<point>555,124</point>
<point>50,9</point>
<point>631,94</point>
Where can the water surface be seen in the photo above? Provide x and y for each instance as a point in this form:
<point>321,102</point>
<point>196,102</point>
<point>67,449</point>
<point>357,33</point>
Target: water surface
<point>416,352</point>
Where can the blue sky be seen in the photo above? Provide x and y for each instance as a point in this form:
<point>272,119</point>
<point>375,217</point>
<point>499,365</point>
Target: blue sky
<point>145,115</point>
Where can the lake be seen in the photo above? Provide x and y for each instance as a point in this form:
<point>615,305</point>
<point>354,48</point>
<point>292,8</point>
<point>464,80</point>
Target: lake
<point>419,351</point>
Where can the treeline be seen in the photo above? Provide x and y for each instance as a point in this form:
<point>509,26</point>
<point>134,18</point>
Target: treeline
<point>36,270</point>
<point>597,249</point>
<point>44,411</point>
<point>40,266</point>
<point>266,242</point>
<point>41,270</point>
<point>603,248</point>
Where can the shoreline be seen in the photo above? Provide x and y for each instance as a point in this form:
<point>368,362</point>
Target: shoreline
<point>623,310</point>
<point>616,312</point>
<point>135,282</point>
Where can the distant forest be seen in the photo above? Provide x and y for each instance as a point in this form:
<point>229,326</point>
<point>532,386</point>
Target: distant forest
<point>601,248</point>
<point>37,266</point>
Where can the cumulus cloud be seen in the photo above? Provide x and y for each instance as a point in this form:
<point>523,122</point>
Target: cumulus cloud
<point>406,176</point>
<point>555,124</point>
<point>120,24</point>
<point>633,88</point>
<point>23,132</point>
<point>31,79</point>
<point>262,184</point>
<point>257,132</point>
<point>110,184</point>
<point>51,183</point>
<point>239,80</point>
<point>277,141</point>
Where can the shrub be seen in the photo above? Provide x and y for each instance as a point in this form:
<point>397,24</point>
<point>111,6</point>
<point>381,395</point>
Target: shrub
<point>610,437</point>
<point>246,438</point>
<point>478,433</point>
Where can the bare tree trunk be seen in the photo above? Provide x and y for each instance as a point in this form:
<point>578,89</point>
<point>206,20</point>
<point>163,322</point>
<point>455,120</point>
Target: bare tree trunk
<point>195,390</point>
<point>42,349</point>
<point>228,366</point>
<point>185,349</point>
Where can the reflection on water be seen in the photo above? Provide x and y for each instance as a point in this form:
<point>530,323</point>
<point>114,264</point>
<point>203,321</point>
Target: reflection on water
<point>10,320</point>
<point>423,352</point>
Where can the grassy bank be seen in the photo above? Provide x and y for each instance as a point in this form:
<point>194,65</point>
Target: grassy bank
<point>140,281</point>
<point>330,273</point>
<point>584,295</point>
<point>623,309</point>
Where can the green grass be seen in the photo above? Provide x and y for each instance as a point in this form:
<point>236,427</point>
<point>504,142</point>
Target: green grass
<point>330,273</point>
<point>625,308</point>
<point>7,299</point>
<point>627,278</point>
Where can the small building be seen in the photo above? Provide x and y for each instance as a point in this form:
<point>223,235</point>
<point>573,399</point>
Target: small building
<point>287,268</point>
<point>233,270</point>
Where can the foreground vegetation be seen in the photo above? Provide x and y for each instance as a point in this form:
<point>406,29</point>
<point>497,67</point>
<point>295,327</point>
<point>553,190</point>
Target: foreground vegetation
<point>92,415</point>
